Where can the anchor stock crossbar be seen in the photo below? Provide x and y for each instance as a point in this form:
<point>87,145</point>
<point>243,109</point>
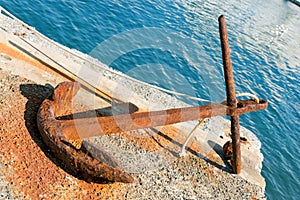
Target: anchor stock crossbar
<point>58,133</point>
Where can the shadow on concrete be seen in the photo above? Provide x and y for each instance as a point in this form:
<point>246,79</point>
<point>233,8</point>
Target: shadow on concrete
<point>116,109</point>
<point>219,150</point>
<point>36,94</point>
<point>216,147</point>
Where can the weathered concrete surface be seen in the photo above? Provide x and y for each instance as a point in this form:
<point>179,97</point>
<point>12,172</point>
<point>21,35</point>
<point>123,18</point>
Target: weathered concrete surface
<point>19,57</point>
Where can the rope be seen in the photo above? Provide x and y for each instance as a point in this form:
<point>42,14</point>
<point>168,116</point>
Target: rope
<point>244,94</point>
<point>182,151</point>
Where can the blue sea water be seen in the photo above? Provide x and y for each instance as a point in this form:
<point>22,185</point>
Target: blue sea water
<point>175,44</point>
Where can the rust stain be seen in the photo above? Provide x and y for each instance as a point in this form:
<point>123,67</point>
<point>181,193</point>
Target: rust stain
<point>20,56</point>
<point>13,53</point>
<point>27,164</point>
<point>31,171</point>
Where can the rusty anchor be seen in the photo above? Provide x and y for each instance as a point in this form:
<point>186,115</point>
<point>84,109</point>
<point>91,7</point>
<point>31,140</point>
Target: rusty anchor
<point>59,134</point>
<point>64,136</point>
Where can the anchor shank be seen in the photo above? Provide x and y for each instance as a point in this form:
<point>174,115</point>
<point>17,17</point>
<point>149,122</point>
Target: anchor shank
<point>112,124</point>
<point>231,96</point>
<point>89,127</point>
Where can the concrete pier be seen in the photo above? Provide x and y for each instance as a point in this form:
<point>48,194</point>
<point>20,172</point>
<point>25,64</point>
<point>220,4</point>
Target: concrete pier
<point>151,155</point>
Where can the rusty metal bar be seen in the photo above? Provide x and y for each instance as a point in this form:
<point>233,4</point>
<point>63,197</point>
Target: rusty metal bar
<point>231,96</point>
<point>89,127</point>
